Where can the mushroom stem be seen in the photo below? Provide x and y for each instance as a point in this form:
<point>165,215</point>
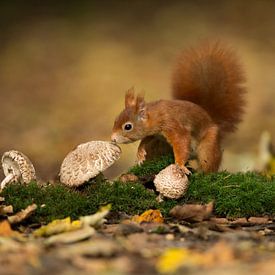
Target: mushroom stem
<point>6,180</point>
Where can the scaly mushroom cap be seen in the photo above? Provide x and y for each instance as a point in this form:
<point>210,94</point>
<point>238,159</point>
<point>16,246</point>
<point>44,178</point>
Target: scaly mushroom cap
<point>16,163</point>
<point>171,182</point>
<point>87,161</point>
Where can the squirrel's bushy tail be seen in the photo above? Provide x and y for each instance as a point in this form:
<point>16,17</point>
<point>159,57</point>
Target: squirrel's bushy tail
<point>212,77</point>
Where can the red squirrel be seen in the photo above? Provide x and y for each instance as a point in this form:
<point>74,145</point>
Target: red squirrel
<point>208,91</point>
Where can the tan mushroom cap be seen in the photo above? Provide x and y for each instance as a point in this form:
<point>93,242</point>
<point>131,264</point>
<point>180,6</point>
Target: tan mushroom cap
<point>171,182</point>
<point>17,164</point>
<point>87,161</point>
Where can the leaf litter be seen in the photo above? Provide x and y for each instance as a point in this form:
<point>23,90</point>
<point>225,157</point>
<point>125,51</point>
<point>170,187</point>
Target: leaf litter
<point>192,239</point>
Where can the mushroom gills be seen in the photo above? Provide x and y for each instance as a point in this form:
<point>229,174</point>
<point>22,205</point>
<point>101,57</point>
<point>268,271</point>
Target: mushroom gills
<point>16,167</point>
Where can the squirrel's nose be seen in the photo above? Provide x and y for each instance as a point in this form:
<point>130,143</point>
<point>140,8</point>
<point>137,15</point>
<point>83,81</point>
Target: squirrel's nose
<point>113,138</point>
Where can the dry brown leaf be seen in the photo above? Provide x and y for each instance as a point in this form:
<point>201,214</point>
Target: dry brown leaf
<point>240,221</point>
<point>219,220</point>
<point>149,216</point>
<point>258,220</point>
<point>23,214</point>
<point>192,212</point>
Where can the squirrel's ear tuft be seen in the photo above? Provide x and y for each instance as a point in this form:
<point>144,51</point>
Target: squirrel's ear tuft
<point>141,108</point>
<point>130,100</point>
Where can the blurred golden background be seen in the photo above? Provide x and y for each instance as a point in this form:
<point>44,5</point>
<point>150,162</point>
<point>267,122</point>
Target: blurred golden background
<point>65,65</point>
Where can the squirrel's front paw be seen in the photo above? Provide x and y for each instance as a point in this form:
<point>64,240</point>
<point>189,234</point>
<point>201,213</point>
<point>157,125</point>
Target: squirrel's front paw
<point>141,156</point>
<point>185,170</point>
<point>139,161</point>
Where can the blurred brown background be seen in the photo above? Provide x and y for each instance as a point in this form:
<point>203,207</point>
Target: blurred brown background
<point>65,65</point>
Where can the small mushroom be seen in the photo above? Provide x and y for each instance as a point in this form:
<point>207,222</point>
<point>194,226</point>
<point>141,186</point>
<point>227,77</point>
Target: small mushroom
<point>171,182</point>
<point>87,161</point>
<point>17,168</point>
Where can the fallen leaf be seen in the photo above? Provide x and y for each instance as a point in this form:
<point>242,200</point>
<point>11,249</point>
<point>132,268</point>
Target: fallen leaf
<point>57,226</point>
<point>6,209</point>
<point>2,199</point>
<point>5,229</point>
<point>22,215</point>
<point>192,212</point>
<point>258,220</point>
<point>240,221</point>
<point>96,219</point>
<point>66,225</point>
<point>92,248</point>
<point>149,216</point>
<point>71,237</point>
<point>174,258</point>
<point>219,220</point>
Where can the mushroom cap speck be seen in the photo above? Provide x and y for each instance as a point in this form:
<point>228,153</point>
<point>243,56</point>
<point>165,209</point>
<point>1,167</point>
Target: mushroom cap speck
<point>171,182</point>
<point>19,165</point>
<point>87,160</point>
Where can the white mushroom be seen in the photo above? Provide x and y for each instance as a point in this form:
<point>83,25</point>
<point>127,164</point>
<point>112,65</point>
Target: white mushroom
<point>17,168</point>
<point>87,161</point>
<point>171,182</point>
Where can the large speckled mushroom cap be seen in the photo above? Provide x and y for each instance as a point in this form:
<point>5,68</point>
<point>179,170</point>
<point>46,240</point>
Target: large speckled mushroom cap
<point>17,164</point>
<point>87,161</point>
<point>171,182</point>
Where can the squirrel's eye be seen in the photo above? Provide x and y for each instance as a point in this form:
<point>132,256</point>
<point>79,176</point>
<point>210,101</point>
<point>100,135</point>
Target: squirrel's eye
<point>128,127</point>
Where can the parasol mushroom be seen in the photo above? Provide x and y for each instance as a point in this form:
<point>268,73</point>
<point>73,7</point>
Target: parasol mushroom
<point>171,182</point>
<point>87,161</point>
<point>17,168</point>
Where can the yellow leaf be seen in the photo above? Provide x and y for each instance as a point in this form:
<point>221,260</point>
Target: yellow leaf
<point>174,258</point>
<point>58,226</point>
<point>149,216</point>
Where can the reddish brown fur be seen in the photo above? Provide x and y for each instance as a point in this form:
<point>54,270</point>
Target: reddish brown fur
<point>208,82</point>
<point>212,77</point>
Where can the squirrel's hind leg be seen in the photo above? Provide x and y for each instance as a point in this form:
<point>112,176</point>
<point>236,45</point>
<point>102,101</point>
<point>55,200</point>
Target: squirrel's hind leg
<point>209,151</point>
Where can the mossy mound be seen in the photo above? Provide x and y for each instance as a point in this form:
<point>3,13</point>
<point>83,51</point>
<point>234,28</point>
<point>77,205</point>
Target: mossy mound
<point>152,167</point>
<point>235,195</point>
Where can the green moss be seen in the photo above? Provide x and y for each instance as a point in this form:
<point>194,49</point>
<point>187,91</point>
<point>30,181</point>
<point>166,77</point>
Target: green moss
<point>58,201</point>
<point>53,201</point>
<point>235,195</point>
<point>240,194</point>
<point>151,167</point>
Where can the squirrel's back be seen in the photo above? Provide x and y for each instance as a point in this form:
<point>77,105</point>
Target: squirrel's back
<point>211,77</point>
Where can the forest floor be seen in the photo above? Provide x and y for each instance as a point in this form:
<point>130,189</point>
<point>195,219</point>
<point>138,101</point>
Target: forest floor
<point>223,225</point>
